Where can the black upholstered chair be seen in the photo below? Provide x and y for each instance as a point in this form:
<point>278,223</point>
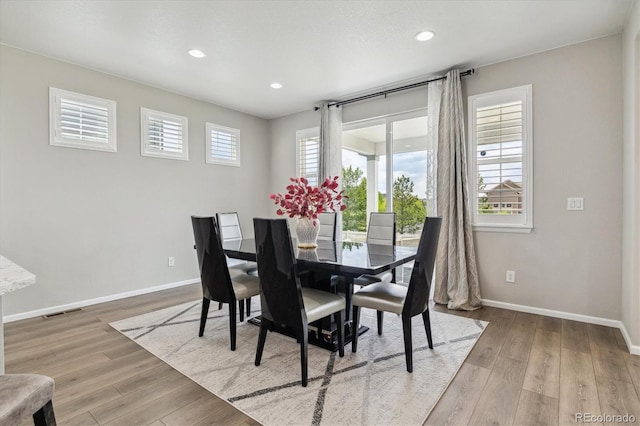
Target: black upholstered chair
<point>405,301</point>
<point>24,396</point>
<point>284,301</point>
<point>217,283</point>
<point>382,232</point>
<point>327,226</point>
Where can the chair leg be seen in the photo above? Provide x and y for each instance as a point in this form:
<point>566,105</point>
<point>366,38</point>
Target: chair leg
<point>339,316</point>
<point>45,416</point>
<point>241,308</point>
<point>248,303</point>
<point>220,305</point>
<point>380,319</point>
<point>348,294</point>
<point>262,337</point>
<point>427,327</point>
<point>232,324</point>
<point>304,355</point>
<point>355,328</point>
<point>203,315</point>
<point>408,349</point>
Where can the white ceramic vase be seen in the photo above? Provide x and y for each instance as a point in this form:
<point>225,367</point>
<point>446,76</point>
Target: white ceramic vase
<point>307,232</point>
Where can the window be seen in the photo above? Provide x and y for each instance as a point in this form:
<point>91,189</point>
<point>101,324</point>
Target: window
<point>223,145</point>
<point>308,150</point>
<point>500,158</point>
<point>81,121</point>
<point>163,135</point>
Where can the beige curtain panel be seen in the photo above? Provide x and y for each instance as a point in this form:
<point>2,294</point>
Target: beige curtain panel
<point>457,283</point>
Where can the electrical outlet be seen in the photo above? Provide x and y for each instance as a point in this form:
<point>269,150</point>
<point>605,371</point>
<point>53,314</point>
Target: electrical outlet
<point>172,261</point>
<point>511,276</point>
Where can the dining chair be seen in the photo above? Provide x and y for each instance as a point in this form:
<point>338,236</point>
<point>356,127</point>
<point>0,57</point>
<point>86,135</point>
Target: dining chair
<point>407,301</point>
<point>327,226</point>
<point>230,230</point>
<point>284,301</point>
<point>25,397</point>
<point>217,283</point>
<point>381,231</point>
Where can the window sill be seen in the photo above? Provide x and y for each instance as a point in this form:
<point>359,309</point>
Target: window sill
<point>518,229</point>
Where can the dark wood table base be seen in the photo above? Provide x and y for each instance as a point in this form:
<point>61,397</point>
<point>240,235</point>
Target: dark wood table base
<point>328,338</point>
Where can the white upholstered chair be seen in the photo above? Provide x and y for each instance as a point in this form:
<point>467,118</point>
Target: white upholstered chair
<point>327,226</point>
<point>381,231</point>
<point>229,225</point>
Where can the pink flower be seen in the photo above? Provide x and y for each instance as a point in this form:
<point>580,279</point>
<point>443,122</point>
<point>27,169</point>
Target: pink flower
<point>304,200</point>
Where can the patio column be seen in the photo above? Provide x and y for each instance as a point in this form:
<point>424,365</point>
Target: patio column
<point>372,184</point>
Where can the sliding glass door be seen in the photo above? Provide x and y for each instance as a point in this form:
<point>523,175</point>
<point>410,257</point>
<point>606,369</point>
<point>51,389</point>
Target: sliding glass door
<point>373,151</point>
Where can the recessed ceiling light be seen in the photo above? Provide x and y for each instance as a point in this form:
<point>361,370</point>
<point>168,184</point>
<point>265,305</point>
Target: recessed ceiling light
<point>424,35</point>
<point>276,86</point>
<point>197,53</point>
<point>407,146</point>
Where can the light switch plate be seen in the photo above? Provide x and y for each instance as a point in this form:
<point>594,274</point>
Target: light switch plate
<point>575,203</point>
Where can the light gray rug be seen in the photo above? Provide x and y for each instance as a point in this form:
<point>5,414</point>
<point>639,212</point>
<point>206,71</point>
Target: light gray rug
<point>370,387</point>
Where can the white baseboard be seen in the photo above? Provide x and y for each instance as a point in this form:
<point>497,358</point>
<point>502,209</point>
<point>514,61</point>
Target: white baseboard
<point>634,349</point>
<point>89,302</point>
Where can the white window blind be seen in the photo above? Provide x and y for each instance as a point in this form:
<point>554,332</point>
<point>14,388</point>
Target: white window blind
<point>164,135</point>
<point>500,139</point>
<point>223,145</point>
<point>82,121</point>
<point>309,154</point>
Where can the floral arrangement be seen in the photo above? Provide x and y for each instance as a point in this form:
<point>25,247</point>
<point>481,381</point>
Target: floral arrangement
<point>304,200</point>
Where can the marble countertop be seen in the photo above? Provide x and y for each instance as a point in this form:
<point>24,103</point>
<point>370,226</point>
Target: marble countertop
<point>13,277</point>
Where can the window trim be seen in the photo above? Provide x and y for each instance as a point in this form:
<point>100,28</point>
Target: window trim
<point>497,223</point>
<point>210,159</point>
<point>144,134</point>
<point>55,139</point>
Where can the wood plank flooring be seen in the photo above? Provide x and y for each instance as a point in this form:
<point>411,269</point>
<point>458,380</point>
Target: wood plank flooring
<point>525,369</point>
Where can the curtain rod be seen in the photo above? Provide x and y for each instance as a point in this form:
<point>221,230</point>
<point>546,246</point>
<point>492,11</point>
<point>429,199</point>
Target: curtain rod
<point>470,71</point>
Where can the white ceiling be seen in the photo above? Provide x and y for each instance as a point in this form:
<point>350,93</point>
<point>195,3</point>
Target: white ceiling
<point>316,49</point>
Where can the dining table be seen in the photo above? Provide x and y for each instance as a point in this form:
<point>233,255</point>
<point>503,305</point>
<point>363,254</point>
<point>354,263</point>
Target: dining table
<point>331,264</point>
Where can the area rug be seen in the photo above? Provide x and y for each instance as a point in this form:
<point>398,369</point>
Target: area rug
<point>370,387</point>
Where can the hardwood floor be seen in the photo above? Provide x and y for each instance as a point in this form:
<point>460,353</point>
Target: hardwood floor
<point>525,369</point>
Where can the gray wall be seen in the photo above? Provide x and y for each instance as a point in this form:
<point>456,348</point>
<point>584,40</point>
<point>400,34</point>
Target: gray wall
<point>91,224</point>
<point>570,262</point>
<point>631,179</point>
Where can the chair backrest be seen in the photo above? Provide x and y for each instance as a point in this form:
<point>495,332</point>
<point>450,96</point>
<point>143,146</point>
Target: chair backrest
<point>214,273</point>
<point>382,228</point>
<point>280,293</point>
<point>422,274</point>
<point>229,226</point>
<point>327,226</point>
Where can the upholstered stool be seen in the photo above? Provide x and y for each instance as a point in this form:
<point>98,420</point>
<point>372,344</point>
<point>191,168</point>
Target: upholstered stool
<point>26,395</point>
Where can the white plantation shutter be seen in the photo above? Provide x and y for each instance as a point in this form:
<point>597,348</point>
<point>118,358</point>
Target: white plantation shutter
<point>223,145</point>
<point>500,156</point>
<point>309,155</point>
<point>82,121</point>
<point>164,135</point>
